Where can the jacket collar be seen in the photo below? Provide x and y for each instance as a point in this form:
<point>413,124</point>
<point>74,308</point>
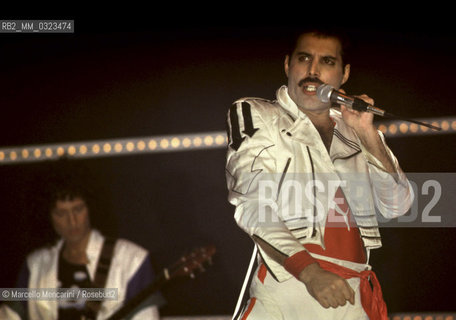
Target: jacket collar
<point>345,142</point>
<point>288,104</point>
<point>93,250</point>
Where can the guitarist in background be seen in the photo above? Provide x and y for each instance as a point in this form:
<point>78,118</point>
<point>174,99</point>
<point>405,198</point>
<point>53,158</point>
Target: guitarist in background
<point>82,257</point>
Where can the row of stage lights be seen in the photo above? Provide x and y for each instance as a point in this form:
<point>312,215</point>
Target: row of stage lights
<point>398,128</point>
<point>188,142</point>
<point>113,147</point>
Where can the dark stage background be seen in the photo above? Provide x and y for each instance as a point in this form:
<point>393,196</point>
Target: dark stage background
<point>94,85</point>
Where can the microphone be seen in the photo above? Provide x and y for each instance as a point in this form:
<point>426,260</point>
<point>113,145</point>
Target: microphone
<point>327,93</point>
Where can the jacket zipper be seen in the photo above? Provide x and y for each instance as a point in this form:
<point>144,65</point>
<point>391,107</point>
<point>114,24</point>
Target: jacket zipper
<point>283,177</point>
<point>314,194</point>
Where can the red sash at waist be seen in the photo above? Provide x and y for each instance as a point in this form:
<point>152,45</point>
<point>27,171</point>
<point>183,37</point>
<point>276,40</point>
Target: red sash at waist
<point>371,298</point>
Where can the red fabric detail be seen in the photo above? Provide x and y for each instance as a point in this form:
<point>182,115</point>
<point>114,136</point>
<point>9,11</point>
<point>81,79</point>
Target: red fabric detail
<point>297,262</point>
<point>371,299</point>
<point>249,309</point>
<point>262,272</point>
<point>340,242</point>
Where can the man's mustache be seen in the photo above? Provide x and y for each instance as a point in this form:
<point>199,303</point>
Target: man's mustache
<point>309,79</point>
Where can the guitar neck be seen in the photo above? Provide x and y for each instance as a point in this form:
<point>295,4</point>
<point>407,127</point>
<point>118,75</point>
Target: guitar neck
<point>140,297</point>
<point>185,266</point>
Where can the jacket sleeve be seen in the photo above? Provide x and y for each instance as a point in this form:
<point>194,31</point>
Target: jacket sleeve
<point>253,181</point>
<point>393,195</point>
<point>130,272</point>
<point>142,278</point>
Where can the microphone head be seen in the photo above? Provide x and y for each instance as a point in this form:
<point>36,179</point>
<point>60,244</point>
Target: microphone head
<point>324,92</point>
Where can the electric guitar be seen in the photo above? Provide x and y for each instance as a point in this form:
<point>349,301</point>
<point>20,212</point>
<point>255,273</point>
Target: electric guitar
<point>187,265</point>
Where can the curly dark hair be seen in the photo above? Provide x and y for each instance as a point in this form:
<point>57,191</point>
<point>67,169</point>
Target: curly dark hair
<point>67,179</point>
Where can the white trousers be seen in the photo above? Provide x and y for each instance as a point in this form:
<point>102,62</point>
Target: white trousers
<point>290,300</point>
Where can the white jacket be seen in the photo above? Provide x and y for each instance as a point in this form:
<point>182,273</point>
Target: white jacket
<point>275,157</point>
<point>42,265</point>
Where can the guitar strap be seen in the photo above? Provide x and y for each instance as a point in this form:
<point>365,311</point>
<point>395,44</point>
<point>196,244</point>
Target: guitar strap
<point>101,275</point>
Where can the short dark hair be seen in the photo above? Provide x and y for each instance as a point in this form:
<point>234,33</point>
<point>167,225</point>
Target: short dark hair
<point>323,32</point>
